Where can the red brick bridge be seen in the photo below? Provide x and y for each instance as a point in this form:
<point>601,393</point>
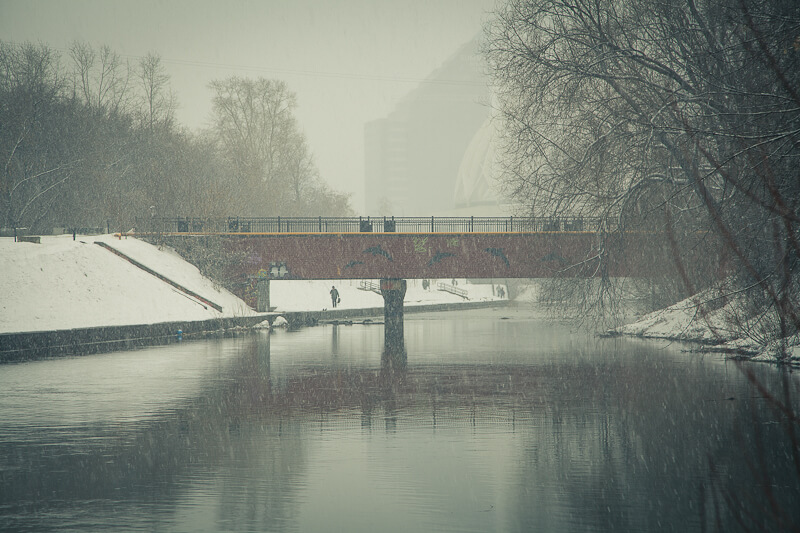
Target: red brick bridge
<point>395,249</point>
<point>432,247</point>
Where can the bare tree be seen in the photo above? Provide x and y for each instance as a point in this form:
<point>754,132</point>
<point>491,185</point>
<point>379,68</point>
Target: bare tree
<point>158,101</point>
<point>258,135</point>
<point>692,105</point>
<point>101,78</point>
<point>36,160</point>
<point>75,152</point>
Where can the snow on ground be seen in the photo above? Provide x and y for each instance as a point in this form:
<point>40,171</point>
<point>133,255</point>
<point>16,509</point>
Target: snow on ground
<point>65,284</point>
<point>772,350</point>
<point>315,295</point>
<point>682,320</point>
<point>685,321</point>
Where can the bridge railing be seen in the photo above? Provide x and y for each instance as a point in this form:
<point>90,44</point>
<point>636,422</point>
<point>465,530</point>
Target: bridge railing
<point>446,287</point>
<point>369,224</point>
<point>369,285</point>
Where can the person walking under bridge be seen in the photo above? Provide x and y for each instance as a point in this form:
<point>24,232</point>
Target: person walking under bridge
<point>334,296</point>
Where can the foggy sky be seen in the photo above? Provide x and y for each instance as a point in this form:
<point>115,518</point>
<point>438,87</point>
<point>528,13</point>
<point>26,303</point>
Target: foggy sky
<point>349,61</point>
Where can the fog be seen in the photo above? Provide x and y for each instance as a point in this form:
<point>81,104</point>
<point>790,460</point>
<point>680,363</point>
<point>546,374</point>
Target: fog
<point>348,61</point>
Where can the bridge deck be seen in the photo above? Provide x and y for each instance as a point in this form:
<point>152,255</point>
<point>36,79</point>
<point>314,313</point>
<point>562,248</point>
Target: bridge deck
<point>431,247</point>
<point>436,255</point>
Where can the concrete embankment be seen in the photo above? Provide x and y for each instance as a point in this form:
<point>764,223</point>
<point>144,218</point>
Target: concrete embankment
<point>63,296</point>
<point>41,344</point>
<point>301,318</point>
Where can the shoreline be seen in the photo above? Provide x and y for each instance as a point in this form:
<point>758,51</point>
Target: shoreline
<point>731,349</point>
<point>37,345</point>
<point>310,318</point>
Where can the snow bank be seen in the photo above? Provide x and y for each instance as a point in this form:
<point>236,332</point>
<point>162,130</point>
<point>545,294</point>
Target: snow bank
<point>774,350</point>
<point>690,320</point>
<point>65,284</point>
<point>315,295</point>
<point>683,320</point>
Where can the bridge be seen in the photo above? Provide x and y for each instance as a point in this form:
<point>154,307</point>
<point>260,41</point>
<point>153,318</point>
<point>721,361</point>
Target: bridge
<point>395,249</point>
<point>427,247</point>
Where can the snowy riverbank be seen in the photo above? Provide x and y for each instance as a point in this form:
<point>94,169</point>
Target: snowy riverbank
<point>63,284</point>
<point>698,320</point>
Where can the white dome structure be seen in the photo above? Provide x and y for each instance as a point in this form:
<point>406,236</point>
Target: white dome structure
<point>476,182</point>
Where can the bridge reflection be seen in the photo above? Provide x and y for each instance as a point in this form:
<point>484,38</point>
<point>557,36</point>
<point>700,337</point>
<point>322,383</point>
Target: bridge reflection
<point>581,434</point>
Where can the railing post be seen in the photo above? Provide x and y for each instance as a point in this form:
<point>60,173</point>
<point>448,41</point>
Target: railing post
<point>320,224</point>
<point>431,223</point>
<point>511,223</point>
<point>471,223</point>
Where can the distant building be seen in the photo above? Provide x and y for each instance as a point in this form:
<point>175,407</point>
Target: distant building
<point>413,156</point>
<point>477,191</point>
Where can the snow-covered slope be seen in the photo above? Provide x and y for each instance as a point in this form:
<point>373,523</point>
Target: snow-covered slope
<point>65,284</point>
<point>685,320</point>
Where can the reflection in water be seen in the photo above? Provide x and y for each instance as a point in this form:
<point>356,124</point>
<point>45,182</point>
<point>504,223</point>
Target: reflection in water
<point>335,339</point>
<point>484,425</point>
<point>394,359</point>
<point>91,476</point>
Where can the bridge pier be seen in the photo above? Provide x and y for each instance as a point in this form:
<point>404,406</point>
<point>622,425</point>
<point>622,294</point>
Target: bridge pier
<point>394,347</point>
<point>262,295</point>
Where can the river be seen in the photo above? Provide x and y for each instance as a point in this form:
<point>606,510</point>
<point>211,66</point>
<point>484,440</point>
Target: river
<point>501,421</point>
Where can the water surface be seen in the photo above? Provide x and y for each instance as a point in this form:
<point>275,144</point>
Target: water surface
<point>501,421</point>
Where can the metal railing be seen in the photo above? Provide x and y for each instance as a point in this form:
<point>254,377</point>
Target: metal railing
<point>369,225</point>
<point>452,289</point>
<point>369,285</point>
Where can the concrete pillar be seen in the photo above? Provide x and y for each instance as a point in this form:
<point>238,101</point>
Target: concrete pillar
<point>262,295</point>
<point>394,347</point>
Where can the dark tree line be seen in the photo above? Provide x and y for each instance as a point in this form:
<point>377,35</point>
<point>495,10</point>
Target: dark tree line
<point>680,117</point>
<point>90,140</point>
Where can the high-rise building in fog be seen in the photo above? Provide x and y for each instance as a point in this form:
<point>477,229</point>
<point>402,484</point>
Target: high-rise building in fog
<point>413,155</point>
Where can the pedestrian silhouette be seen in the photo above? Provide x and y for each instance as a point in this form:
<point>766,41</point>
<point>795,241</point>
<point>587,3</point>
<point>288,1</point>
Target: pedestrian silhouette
<point>335,296</point>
